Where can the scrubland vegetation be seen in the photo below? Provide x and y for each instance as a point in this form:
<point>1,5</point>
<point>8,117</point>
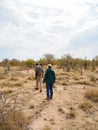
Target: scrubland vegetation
<point>75,102</point>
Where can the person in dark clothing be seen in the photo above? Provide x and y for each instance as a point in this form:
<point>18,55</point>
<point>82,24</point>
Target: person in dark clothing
<point>49,79</point>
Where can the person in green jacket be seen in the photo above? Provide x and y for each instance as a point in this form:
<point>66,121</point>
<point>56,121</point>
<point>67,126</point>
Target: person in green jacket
<point>49,79</point>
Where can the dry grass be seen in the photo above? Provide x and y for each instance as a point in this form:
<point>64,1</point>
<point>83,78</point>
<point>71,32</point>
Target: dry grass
<point>85,105</point>
<point>30,77</point>
<point>6,83</point>
<point>92,94</point>
<point>93,78</point>
<point>15,120</point>
<point>11,115</point>
<point>12,84</point>
<point>13,79</point>
<point>85,82</point>
<point>46,128</point>
<point>64,83</point>
<point>2,77</point>
<point>18,84</point>
<point>72,113</point>
<point>76,77</point>
<point>63,73</point>
<point>7,91</point>
<point>61,110</point>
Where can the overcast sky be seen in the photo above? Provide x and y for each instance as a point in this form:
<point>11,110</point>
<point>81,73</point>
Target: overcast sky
<point>31,28</point>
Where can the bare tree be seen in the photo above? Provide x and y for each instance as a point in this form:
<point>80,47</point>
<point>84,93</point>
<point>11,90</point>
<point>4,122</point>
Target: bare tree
<point>50,58</point>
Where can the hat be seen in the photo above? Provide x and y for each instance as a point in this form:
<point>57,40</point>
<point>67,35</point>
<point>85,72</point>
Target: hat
<point>49,65</point>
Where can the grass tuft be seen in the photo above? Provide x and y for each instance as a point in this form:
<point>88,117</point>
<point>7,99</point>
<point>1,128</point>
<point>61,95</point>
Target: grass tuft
<point>85,105</point>
<point>46,128</point>
<point>92,94</point>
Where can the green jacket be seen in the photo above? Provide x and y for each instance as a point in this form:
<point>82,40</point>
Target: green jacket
<point>49,76</point>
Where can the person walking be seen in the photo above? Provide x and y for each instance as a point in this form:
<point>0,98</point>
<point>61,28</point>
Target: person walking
<point>38,76</point>
<point>49,79</point>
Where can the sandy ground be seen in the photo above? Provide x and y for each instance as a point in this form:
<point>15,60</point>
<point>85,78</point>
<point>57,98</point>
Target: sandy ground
<point>56,113</point>
<point>63,111</point>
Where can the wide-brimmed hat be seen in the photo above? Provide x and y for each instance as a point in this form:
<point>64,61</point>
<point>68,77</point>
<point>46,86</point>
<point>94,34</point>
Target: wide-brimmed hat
<point>49,65</point>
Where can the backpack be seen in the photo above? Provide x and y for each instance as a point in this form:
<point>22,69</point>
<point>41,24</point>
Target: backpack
<point>38,70</point>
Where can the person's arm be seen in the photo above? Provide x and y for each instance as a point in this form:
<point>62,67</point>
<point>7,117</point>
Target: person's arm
<point>54,76</point>
<point>35,75</point>
<point>45,76</point>
<point>42,72</point>
<point>35,72</point>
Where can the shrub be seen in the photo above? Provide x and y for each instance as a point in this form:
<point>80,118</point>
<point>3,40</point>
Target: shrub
<point>92,94</point>
<point>13,120</point>
<point>11,115</point>
<point>93,78</point>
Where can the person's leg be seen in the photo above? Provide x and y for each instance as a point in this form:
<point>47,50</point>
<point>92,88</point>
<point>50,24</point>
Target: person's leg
<point>47,89</point>
<point>40,83</point>
<point>37,83</point>
<point>51,91</point>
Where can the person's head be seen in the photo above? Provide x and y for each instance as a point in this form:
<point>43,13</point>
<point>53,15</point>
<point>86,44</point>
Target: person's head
<point>37,63</point>
<point>49,65</point>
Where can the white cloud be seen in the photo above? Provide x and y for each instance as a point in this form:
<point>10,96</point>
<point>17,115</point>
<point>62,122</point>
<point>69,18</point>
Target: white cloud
<point>82,52</point>
<point>32,28</point>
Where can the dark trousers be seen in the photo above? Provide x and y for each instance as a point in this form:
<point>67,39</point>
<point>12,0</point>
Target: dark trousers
<point>49,90</point>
